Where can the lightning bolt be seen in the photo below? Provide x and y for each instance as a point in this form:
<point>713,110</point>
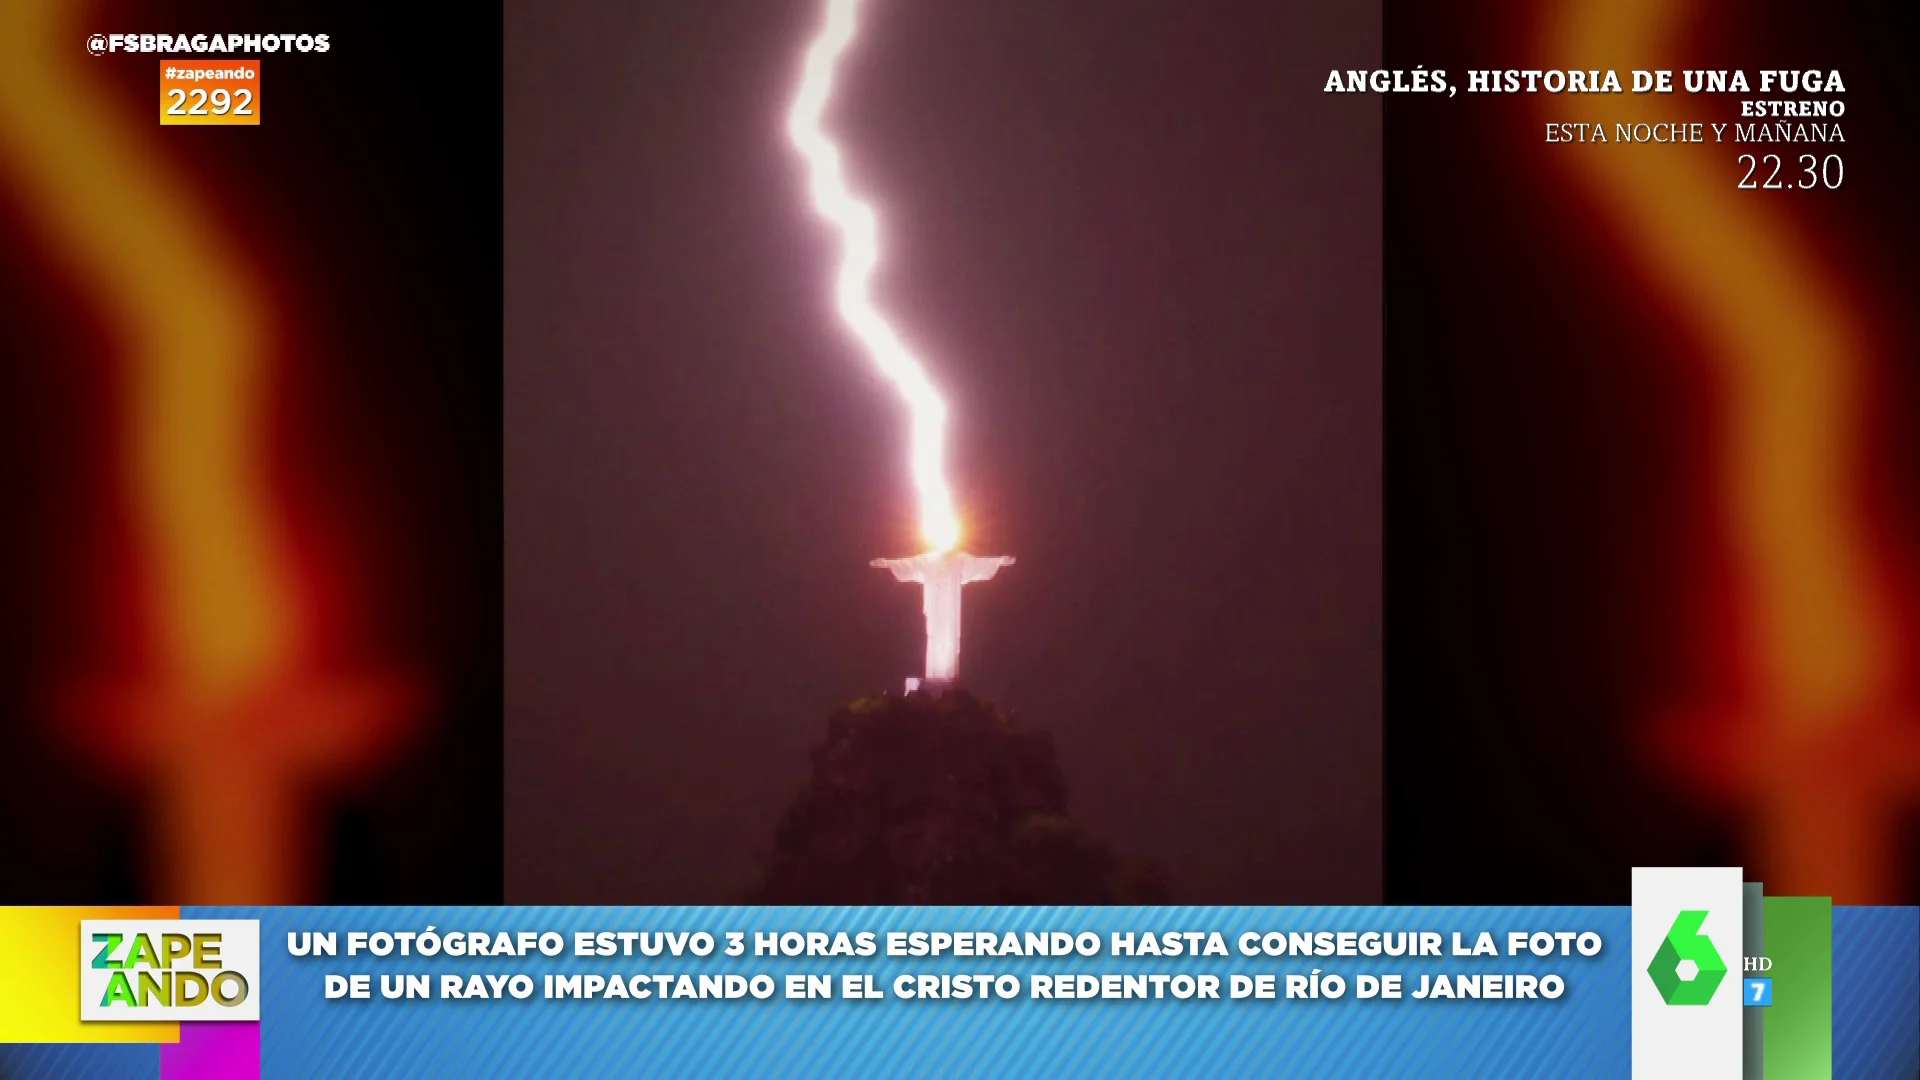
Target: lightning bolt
<point>859,254</point>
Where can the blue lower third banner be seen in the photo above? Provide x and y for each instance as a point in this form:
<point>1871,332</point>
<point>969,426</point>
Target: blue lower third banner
<point>935,992</point>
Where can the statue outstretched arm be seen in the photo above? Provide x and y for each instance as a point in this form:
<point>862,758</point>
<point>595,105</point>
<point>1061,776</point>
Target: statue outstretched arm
<point>903,569</point>
<point>981,569</point>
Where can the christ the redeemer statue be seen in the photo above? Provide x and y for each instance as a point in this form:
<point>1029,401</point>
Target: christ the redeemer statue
<point>940,574</point>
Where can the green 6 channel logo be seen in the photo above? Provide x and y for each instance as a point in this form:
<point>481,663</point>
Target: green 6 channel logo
<point>1685,946</point>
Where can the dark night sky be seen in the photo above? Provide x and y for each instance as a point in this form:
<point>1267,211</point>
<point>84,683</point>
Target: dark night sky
<point>1141,251</point>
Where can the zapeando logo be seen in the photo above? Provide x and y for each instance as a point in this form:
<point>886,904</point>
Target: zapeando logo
<point>169,969</point>
<point>1685,944</point>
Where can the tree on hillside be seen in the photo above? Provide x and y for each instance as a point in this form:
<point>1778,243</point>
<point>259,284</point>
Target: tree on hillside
<point>925,799</point>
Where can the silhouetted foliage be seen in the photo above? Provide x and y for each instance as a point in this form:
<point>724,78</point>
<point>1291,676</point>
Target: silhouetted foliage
<point>925,799</point>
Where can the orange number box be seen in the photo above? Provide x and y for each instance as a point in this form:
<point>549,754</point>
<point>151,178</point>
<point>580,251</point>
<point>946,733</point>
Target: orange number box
<point>209,92</point>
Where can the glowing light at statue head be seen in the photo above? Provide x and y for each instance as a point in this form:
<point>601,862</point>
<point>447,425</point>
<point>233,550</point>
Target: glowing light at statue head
<point>860,253</point>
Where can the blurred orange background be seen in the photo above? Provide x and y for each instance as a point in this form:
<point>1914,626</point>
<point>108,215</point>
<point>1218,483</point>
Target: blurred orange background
<point>1672,424</point>
<point>250,472</point>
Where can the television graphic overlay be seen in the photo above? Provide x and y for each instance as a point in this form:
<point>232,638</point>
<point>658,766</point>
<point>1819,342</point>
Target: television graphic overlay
<point>1686,921</point>
<point>169,969</point>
